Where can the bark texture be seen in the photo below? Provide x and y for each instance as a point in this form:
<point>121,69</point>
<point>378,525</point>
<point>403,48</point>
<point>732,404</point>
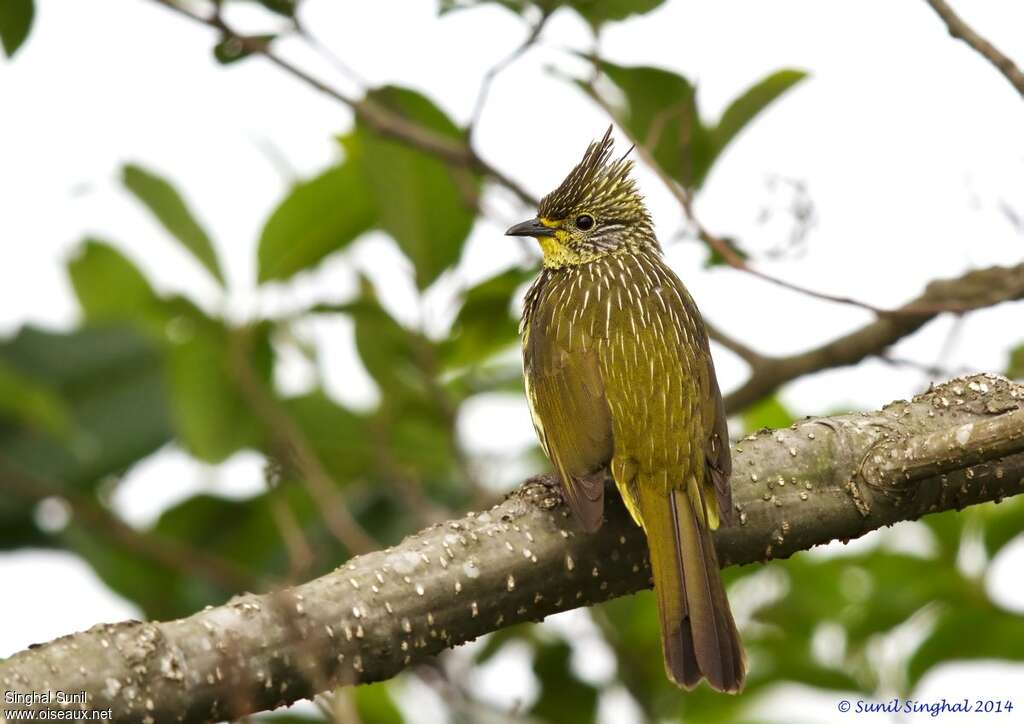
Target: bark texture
<point>822,479</point>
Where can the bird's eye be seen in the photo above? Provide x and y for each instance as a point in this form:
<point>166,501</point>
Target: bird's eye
<point>584,221</point>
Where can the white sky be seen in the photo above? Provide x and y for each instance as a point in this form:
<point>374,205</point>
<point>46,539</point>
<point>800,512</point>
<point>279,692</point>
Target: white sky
<point>907,141</point>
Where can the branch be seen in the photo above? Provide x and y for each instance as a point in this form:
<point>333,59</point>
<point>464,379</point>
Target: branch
<point>960,444</point>
<point>959,29</point>
<point>382,120</point>
<point>166,552</point>
<point>485,85</point>
<point>974,290</point>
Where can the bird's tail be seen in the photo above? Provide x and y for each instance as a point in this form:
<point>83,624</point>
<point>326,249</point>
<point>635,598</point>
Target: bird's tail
<point>698,633</point>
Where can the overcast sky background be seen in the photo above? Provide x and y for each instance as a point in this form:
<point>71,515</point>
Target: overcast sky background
<point>910,147</point>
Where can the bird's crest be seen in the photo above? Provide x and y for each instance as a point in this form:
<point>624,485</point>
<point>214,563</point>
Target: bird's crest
<point>595,181</point>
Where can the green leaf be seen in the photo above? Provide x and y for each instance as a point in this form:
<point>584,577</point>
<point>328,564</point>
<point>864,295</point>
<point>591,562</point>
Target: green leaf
<point>240,534</point>
<point>341,439</point>
<point>31,404</point>
<point>317,217</point>
<point>391,353</point>
<point>768,413</point>
<point>107,382</point>
<point>425,205</point>
<point>661,113</point>
<point>167,205</point>
<point>415,421</point>
<point>211,408</point>
<point>15,22</point>
<point>109,286</point>
<point>600,11</point>
<point>484,325</point>
<point>970,632</point>
<point>1015,369</point>
<point>594,11</point>
<point>1001,523</point>
<point>375,705</point>
<point>281,7</point>
<point>564,698</point>
<point>752,103</point>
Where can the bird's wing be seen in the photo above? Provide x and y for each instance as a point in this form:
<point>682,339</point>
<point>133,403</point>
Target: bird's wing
<point>716,450</point>
<point>568,406</point>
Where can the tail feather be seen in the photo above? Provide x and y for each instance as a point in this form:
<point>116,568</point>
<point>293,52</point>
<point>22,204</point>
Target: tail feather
<point>699,635</point>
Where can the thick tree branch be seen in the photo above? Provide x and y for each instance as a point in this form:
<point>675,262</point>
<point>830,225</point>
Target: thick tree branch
<point>959,29</point>
<point>974,290</point>
<point>822,479</point>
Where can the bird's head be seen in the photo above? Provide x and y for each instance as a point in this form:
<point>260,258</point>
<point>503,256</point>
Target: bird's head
<point>595,211</point>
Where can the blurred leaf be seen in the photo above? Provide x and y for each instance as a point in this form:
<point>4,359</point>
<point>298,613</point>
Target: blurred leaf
<point>167,205</point>
<point>15,22</point>
<point>109,286</point>
<point>1015,370</point>
<point>241,534</point>
<point>317,217</point>
<point>281,7</point>
<point>485,324</point>
<point>427,206</point>
<point>414,425</point>
<point>232,49</point>
<point>767,413</point>
<point>970,632</point>
<point>661,112</point>
<point>341,438</point>
<point>31,404</point>
<point>947,527</point>
<point>1000,523</point>
<point>594,11</point>
<point>211,412</point>
<point>108,380</point>
<point>375,705</point>
<point>392,354</point>
<point>751,103</point>
<point>564,699</point>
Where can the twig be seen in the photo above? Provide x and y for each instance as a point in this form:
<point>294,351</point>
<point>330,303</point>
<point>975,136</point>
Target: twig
<point>382,120</point>
<point>497,68</point>
<point>290,437</point>
<point>729,256</point>
<point>748,355</point>
<point>931,371</point>
<point>961,30</point>
<point>172,554</point>
<point>327,54</point>
<point>976,289</point>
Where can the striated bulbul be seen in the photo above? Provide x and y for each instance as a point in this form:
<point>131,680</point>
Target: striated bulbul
<point>619,376</point>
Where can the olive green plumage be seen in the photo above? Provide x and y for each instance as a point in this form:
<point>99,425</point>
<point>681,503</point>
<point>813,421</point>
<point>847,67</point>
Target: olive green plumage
<point>619,376</point>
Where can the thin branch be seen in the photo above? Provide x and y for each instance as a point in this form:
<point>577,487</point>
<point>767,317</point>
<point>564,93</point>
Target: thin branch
<point>327,54</point>
<point>747,354</point>
<point>974,290</point>
<point>382,120</point>
<point>725,250</point>
<point>824,479</point>
<point>172,554</point>
<point>961,30</point>
<point>292,440</point>
<point>501,65</point>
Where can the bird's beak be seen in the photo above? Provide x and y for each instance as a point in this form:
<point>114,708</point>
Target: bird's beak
<point>533,227</point>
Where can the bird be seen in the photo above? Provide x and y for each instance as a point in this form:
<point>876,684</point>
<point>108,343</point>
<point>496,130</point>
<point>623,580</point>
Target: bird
<point>619,378</point>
